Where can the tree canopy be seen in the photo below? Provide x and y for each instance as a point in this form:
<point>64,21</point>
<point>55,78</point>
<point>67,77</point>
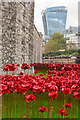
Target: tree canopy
<point>56,42</point>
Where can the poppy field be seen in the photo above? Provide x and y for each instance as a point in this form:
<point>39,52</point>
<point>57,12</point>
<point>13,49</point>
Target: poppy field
<point>54,93</point>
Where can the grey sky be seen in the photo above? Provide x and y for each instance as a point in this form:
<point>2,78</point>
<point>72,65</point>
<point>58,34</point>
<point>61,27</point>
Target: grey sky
<point>72,16</point>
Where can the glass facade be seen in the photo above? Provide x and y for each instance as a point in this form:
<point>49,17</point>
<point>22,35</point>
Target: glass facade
<point>79,17</point>
<point>54,20</point>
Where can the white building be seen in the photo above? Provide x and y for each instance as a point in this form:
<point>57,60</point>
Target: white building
<point>74,42</point>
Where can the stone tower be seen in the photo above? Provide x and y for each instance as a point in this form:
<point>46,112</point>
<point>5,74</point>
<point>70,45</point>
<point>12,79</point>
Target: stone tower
<point>16,42</point>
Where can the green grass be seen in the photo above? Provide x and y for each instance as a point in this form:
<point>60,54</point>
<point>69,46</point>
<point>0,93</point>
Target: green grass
<point>16,103</point>
<point>41,73</point>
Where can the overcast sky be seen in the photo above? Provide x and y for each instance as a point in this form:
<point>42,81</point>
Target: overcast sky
<point>72,16</point>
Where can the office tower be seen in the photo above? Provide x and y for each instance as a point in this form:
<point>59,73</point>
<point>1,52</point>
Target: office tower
<point>54,20</point>
<point>79,17</point>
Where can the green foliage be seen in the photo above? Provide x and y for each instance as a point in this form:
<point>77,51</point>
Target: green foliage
<point>56,42</point>
<point>78,52</point>
<point>74,54</point>
<point>72,46</point>
<point>64,53</point>
<point>56,53</point>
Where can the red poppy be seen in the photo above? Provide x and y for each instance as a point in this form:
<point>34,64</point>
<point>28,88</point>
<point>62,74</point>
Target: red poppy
<point>25,66</point>
<point>31,64</point>
<point>66,91</point>
<point>43,109</point>
<point>6,68</point>
<point>10,67</point>
<point>51,88</point>
<point>36,71</point>
<point>30,98</point>
<point>63,112</point>
<point>36,88</point>
<point>74,87</point>
<point>76,95</point>
<point>18,64</point>
<point>13,67</point>
<point>67,105</point>
<point>21,73</point>
<point>53,95</point>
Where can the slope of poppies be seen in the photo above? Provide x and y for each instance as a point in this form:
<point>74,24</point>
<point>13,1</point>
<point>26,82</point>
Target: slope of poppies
<point>63,78</point>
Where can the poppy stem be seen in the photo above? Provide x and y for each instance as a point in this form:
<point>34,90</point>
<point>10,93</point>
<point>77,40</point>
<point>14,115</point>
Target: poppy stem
<point>30,108</point>
<point>59,102</point>
<point>26,107</point>
<point>3,108</point>
<point>64,98</point>
<point>15,105</point>
<point>48,109</point>
<point>10,105</point>
<point>24,72</point>
<point>38,104</point>
<point>53,108</point>
<point>68,113</point>
<point>19,104</point>
<point>33,109</point>
<point>64,102</point>
<point>42,114</point>
<point>78,109</point>
<point>26,111</point>
<point>74,107</point>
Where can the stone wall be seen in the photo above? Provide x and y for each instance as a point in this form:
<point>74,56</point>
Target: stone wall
<point>0,39</point>
<point>37,46</point>
<point>17,32</point>
<point>62,60</point>
<point>8,33</point>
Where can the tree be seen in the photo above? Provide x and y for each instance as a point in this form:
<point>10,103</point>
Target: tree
<point>72,46</point>
<point>56,42</point>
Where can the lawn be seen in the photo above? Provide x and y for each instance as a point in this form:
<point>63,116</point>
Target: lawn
<point>15,106</point>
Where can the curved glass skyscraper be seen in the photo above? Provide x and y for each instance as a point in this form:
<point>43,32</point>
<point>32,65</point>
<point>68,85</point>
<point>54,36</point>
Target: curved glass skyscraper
<point>54,20</point>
